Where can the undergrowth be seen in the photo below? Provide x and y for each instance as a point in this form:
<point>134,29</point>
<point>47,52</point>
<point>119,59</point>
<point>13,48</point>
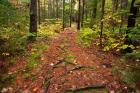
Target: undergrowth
<point>86,36</point>
<point>129,72</point>
<point>135,55</point>
<point>47,31</point>
<point>34,55</point>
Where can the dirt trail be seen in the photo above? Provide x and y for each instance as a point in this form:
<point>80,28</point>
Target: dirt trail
<point>66,66</point>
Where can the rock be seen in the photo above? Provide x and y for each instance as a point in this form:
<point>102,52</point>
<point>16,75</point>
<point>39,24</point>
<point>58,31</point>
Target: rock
<point>4,90</point>
<point>7,90</point>
<point>137,60</point>
<point>106,65</point>
<point>52,64</point>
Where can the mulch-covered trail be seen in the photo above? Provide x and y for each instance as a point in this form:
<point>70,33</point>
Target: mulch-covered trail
<point>66,66</point>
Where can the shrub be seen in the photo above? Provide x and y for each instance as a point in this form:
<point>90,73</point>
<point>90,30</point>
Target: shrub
<point>135,55</point>
<point>49,31</point>
<point>14,26</point>
<point>86,36</point>
<point>131,77</point>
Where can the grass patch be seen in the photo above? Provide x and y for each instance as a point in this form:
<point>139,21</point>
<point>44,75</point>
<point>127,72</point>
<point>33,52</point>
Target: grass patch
<point>130,77</point>
<point>7,79</point>
<point>129,73</point>
<point>13,60</point>
<point>35,55</point>
<point>66,55</point>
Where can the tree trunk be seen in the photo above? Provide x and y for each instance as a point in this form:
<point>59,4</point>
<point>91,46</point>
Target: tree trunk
<point>71,4</point>
<point>39,12</point>
<point>79,16</point>
<point>44,9</point>
<point>115,4</point>
<point>124,4</point>
<point>132,17</point>
<point>57,16</point>
<point>53,9</point>
<point>94,11</point>
<point>86,11</point>
<point>131,24</point>
<point>63,15</point>
<point>102,23</point>
<point>83,13</point>
<point>33,18</point>
<point>48,9</point>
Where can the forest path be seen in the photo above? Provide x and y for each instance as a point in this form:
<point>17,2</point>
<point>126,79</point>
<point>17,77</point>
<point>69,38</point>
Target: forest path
<point>66,66</point>
<point>73,68</point>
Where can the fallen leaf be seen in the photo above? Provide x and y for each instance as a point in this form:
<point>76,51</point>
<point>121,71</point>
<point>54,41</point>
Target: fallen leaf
<point>26,91</point>
<point>35,89</point>
<point>112,91</point>
<point>40,77</point>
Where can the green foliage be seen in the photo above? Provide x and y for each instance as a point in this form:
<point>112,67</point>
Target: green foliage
<point>131,77</point>
<point>5,12</point>
<point>113,39</point>
<point>47,83</point>
<point>39,47</point>
<point>129,72</point>
<point>12,40</point>
<point>13,28</point>
<point>49,30</point>
<point>70,57</point>
<point>134,55</point>
<point>134,34</point>
<point>4,2</point>
<point>137,2</point>
<point>10,15</point>
<point>6,79</point>
<point>86,36</point>
<point>32,61</point>
<point>25,1</point>
<point>67,56</point>
<point>35,55</point>
<point>92,3</point>
<point>13,60</point>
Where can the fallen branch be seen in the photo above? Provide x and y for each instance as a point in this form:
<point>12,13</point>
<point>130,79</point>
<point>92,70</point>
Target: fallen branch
<point>63,61</point>
<point>82,67</point>
<point>68,72</point>
<point>97,86</point>
<point>60,61</point>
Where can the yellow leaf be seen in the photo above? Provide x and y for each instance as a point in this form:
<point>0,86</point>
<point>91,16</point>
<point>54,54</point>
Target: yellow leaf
<point>119,21</point>
<point>118,50</point>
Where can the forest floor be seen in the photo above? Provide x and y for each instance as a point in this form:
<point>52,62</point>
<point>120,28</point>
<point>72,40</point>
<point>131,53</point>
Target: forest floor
<point>66,67</point>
